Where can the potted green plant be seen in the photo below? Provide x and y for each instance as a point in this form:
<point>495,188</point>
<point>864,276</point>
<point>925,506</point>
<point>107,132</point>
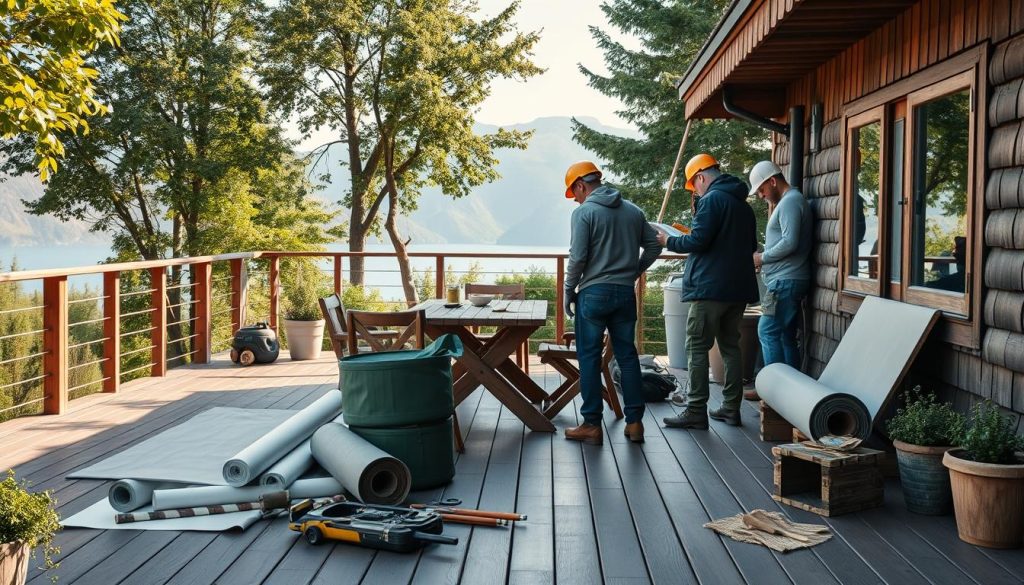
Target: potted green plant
<point>987,475</point>
<point>27,520</point>
<point>922,431</point>
<point>303,322</point>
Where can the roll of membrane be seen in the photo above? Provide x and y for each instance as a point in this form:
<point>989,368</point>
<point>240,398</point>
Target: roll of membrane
<point>289,468</point>
<point>368,473</point>
<point>126,495</point>
<point>247,465</point>
<point>813,408</point>
<point>216,495</point>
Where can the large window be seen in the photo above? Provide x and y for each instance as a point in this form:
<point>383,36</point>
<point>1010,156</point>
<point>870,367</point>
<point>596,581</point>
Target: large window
<point>911,197</point>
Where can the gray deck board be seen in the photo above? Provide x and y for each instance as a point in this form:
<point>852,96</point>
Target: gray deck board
<point>620,513</point>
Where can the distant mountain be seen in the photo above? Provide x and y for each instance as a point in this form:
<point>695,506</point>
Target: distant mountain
<point>19,228</point>
<point>525,207</point>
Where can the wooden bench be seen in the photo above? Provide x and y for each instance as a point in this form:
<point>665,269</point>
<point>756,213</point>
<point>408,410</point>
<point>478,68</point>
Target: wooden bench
<point>561,358</point>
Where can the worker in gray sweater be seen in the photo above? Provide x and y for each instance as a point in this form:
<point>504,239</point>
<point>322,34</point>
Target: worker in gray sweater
<point>604,263</point>
<point>784,264</point>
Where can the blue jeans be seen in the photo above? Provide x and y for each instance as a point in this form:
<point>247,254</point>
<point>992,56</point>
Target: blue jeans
<point>612,307</point>
<point>778,332</point>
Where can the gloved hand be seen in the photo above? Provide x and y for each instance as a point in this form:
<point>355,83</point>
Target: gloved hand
<point>569,301</point>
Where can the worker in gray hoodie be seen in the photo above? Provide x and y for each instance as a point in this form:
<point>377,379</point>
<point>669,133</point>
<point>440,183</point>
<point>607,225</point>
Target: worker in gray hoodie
<point>604,264</point>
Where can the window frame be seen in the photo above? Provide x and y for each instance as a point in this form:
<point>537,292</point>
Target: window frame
<point>971,66</point>
<point>851,282</point>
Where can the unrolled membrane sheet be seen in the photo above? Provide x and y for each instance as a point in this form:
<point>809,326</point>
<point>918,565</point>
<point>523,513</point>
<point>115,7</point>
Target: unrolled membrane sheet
<point>126,495</point>
<point>368,473</point>
<point>811,407</point>
<point>216,495</point>
<point>288,468</point>
<point>101,516</point>
<point>250,462</point>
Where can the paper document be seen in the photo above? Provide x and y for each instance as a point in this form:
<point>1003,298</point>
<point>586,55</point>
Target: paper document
<point>669,230</point>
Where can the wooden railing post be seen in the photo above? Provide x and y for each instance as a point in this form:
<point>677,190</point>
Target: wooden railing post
<point>239,290</point>
<point>275,290</point>
<point>337,275</point>
<point>559,298</point>
<point>158,336</point>
<point>439,277</point>
<point>203,274</point>
<point>112,331</point>
<point>55,344</point>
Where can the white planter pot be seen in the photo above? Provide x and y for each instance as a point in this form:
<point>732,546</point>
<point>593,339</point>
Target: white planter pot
<point>304,338</point>
<point>13,563</point>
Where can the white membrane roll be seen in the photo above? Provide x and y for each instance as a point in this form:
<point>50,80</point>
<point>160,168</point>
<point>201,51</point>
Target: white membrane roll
<point>289,468</point>
<point>126,495</point>
<point>215,495</point>
<point>367,472</point>
<point>813,408</point>
<point>250,462</point>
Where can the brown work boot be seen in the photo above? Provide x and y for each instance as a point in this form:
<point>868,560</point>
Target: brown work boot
<point>751,394</point>
<point>586,432</point>
<point>635,432</point>
<point>690,419</point>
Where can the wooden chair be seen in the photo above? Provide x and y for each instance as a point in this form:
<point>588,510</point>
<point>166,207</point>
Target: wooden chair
<point>334,314</point>
<point>508,292</point>
<point>411,324</point>
<point>560,357</point>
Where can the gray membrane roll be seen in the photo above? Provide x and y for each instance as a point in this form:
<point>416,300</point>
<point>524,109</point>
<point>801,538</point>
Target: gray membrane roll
<point>813,408</point>
<point>289,468</point>
<point>371,475</point>
<point>126,495</point>
<point>249,463</point>
<point>215,495</point>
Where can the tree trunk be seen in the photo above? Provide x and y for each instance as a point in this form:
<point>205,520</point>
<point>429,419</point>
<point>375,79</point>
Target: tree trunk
<point>396,240</point>
<point>356,243</point>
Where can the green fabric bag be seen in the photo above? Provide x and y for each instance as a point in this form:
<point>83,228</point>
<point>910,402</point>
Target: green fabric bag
<point>396,388</point>
<point>427,450</point>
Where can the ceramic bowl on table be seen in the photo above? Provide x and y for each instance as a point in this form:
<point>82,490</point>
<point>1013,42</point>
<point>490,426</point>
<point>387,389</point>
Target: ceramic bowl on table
<point>480,300</point>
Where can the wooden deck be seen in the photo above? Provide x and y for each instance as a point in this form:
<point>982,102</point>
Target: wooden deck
<point>621,513</point>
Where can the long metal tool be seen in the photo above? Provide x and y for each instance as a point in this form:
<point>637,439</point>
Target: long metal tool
<point>470,512</point>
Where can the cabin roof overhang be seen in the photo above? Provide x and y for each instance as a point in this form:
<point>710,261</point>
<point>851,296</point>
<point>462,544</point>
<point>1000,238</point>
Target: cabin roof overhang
<point>761,46</point>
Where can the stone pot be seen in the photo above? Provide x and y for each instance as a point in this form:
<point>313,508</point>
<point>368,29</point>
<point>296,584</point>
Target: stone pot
<point>925,481</point>
<point>305,338</point>
<point>13,563</point>
<point>988,499</point>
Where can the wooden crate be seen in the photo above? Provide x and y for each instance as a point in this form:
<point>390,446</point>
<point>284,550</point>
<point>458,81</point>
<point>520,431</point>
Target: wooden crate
<point>799,437</point>
<point>773,426</point>
<point>828,483</point>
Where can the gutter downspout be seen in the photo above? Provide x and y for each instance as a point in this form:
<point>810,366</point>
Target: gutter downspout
<point>794,132</point>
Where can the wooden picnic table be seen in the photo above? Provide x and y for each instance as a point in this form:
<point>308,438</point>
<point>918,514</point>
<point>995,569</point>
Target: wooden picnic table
<point>486,362</point>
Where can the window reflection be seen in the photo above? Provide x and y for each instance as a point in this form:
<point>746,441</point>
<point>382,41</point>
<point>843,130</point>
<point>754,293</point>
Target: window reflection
<point>941,142</point>
<point>865,201</point>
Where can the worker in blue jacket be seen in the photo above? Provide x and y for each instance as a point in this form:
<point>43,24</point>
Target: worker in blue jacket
<point>718,283</point>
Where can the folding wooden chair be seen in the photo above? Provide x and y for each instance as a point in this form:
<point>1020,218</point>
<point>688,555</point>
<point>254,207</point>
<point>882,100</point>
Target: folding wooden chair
<point>334,314</point>
<point>411,331</point>
<point>560,357</point>
<point>508,292</point>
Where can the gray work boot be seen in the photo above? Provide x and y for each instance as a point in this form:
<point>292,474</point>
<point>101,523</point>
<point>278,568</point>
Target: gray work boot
<point>690,419</point>
<point>729,417</point>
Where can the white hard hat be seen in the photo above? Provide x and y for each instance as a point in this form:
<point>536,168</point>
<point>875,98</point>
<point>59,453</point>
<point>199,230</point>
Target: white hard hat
<point>761,172</point>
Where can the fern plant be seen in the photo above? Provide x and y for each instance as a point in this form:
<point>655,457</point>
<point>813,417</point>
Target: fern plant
<point>990,436</point>
<point>923,421</point>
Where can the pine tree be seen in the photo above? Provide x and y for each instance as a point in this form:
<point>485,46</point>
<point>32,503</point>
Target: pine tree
<point>671,33</point>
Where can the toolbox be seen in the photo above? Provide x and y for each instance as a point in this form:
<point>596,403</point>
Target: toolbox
<point>373,526</point>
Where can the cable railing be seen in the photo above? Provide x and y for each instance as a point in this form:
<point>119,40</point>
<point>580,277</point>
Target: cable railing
<point>59,343</point>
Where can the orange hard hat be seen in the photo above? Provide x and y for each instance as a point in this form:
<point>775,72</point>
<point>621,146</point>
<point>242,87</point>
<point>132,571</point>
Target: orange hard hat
<point>576,171</point>
<point>701,162</point>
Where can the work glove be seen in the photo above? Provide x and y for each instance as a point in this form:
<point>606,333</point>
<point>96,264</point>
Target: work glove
<point>569,301</point>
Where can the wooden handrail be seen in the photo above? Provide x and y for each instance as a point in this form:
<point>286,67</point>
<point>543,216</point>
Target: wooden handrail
<point>22,275</point>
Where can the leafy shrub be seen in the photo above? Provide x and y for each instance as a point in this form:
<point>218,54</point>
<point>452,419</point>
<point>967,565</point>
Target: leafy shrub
<point>925,422</point>
<point>28,517</point>
<point>990,436</point>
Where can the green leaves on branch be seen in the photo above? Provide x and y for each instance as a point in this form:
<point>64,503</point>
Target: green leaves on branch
<point>925,422</point>
<point>990,436</point>
<point>47,86</point>
<point>28,517</point>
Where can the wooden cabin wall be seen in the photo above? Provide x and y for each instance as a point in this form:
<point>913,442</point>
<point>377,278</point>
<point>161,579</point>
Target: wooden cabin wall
<point>928,33</point>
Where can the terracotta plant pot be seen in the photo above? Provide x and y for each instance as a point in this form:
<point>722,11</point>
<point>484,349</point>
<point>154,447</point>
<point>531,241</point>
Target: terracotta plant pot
<point>988,499</point>
<point>925,481</point>
<point>13,563</point>
<point>305,338</point>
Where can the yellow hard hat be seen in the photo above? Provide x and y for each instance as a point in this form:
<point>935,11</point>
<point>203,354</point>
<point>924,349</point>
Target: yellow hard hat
<point>701,162</point>
<point>577,170</point>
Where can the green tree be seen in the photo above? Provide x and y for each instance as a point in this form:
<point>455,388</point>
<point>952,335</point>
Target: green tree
<point>670,33</point>
<point>48,88</point>
<point>398,82</point>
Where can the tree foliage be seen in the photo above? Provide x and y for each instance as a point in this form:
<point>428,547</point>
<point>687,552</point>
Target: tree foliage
<point>398,82</point>
<point>47,85</point>
<point>670,34</point>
